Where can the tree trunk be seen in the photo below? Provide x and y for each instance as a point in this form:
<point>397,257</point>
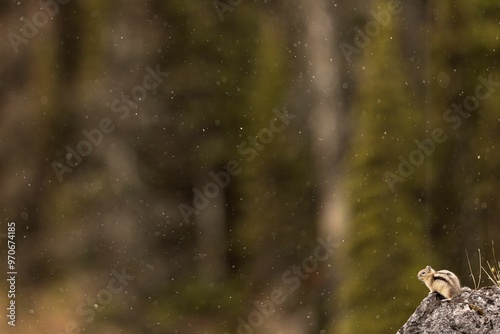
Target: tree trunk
<point>328,126</point>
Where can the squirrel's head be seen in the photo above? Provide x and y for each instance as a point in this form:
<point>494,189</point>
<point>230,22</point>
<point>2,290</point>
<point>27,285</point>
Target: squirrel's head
<point>422,273</point>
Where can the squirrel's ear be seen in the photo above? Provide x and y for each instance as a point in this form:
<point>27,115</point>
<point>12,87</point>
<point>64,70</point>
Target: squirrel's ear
<point>428,267</point>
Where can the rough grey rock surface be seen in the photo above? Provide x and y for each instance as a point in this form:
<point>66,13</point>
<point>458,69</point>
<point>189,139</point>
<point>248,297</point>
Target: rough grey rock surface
<point>472,312</point>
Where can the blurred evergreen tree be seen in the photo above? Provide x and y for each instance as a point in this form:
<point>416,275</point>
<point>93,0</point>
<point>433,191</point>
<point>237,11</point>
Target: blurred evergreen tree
<point>431,215</point>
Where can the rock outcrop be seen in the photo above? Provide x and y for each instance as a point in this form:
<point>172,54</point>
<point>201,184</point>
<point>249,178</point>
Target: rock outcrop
<point>472,312</point>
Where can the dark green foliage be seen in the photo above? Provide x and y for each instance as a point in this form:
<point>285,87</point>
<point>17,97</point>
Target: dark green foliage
<point>444,205</point>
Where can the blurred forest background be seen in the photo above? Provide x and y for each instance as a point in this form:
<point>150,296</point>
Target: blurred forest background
<point>295,168</point>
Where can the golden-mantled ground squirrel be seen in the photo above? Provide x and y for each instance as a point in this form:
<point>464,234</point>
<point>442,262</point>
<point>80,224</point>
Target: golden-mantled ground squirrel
<point>443,282</point>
